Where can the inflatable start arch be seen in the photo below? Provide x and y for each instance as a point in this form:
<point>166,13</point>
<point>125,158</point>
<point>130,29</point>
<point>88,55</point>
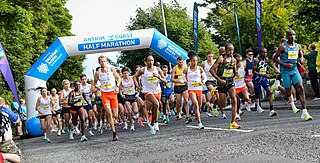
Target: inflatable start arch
<point>64,47</point>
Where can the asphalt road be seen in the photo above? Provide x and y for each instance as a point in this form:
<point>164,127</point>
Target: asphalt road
<point>285,138</point>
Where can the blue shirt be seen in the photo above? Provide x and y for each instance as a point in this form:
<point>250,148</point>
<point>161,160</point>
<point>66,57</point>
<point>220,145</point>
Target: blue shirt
<point>167,90</point>
<point>23,110</point>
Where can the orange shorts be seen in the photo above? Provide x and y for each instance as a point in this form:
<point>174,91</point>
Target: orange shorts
<point>109,99</point>
<point>197,92</point>
<point>157,96</point>
<point>238,90</point>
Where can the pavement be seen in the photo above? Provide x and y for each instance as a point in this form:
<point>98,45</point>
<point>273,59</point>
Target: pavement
<point>284,138</point>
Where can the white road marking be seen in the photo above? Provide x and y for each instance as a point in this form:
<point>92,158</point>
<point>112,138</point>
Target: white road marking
<point>221,129</point>
<point>315,136</point>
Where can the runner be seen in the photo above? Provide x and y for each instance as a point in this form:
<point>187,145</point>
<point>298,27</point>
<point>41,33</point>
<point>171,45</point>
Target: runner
<point>240,85</point>
<point>86,89</point>
<point>260,78</point>
<point>77,100</point>
<point>289,53</point>
<point>168,95</point>
<point>226,70</point>
<point>64,93</point>
<point>45,108</point>
<point>211,84</point>
<point>180,89</point>
<point>108,76</point>
<point>249,74</point>
<point>151,76</point>
<point>194,74</point>
<point>141,102</point>
<point>57,109</point>
<point>129,94</point>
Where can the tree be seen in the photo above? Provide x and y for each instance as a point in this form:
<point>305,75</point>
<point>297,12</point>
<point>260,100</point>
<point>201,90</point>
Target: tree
<point>277,18</point>
<point>179,29</point>
<point>27,28</point>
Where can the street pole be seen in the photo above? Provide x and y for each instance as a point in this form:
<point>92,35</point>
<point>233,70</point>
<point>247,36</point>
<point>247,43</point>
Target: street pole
<point>164,26</point>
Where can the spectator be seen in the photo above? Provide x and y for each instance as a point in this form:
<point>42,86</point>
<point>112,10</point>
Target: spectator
<point>7,145</point>
<point>312,68</point>
<point>23,115</point>
<point>15,109</point>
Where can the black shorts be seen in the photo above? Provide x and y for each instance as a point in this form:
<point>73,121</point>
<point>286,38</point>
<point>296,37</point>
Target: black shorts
<point>44,116</point>
<point>120,99</point>
<point>65,110</point>
<point>88,107</point>
<point>130,98</point>
<point>225,89</point>
<point>213,83</point>
<point>57,112</point>
<point>141,95</point>
<point>180,89</point>
<point>75,109</point>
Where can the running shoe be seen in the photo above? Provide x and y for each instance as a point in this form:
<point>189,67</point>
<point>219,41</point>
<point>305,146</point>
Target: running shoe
<point>209,115</point>
<point>224,116</point>
<point>120,123</point>
<point>108,127</point>
<point>247,106</point>
<point>77,130</point>
<point>66,130</point>
<point>45,136</point>
<point>200,126</point>
<point>115,138</point>
<point>91,133</point>
<point>59,133</point>
<point>95,125</point>
<point>152,131</point>
<point>316,99</point>
<point>156,126</point>
<point>165,121</point>
<point>83,138</point>
<point>188,120</point>
<point>259,109</point>
<point>306,116</point>
<point>125,126</point>
<point>100,131</point>
<point>241,112</point>
<point>273,113</point>
<point>238,117</point>
<point>48,140</point>
<point>172,112</point>
<point>228,107</point>
<point>132,127</point>
<point>71,136</point>
<point>63,132</point>
<point>295,110</point>
<point>178,117</point>
<point>215,112</point>
<point>234,125</point>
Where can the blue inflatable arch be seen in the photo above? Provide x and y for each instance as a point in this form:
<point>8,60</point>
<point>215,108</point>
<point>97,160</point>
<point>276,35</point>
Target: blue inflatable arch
<point>64,47</point>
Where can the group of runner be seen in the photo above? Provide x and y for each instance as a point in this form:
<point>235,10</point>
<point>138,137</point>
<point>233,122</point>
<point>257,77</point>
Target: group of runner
<point>116,97</point>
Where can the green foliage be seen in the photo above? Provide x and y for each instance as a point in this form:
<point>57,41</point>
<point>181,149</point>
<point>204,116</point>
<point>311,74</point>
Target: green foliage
<point>179,29</point>
<point>27,28</point>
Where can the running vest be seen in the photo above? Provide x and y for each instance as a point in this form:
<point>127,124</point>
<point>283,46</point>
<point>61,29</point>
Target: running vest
<point>107,80</point>
<point>65,95</point>
<point>290,55</point>
<point>261,69</point>
<point>239,81</point>
<point>55,100</point>
<point>225,72</point>
<point>249,68</point>
<point>178,75</point>
<point>45,106</point>
<point>87,93</point>
<point>150,83</point>
<point>207,68</point>
<point>76,97</point>
<point>168,89</point>
<point>128,88</point>
<point>194,78</point>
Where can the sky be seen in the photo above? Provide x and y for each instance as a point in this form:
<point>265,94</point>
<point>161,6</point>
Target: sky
<point>92,17</point>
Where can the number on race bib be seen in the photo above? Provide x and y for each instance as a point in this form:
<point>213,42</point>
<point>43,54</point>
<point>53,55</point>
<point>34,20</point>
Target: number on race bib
<point>227,73</point>
<point>195,84</point>
<point>152,80</point>
<point>250,72</point>
<point>107,85</point>
<point>263,71</point>
<point>45,107</point>
<point>292,54</point>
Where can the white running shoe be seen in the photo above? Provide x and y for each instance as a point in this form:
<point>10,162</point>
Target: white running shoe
<point>45,136</point>
<point>228,107</point>
<point>59,133</point>
<point>132,128</point>
<point>83,138</point>
<point>91,133</point>
<point>209,115</point>
<point>224,116</point>
<point>100,131</point>
<point>71,136</point>
<point>77,130</point>
<point>305,116</point>
<point>156,126</point>
<point>259,109</point>
<point>125,126</point>
<point>95,126</point>
<point>273,113</point>
<point>247,106</point>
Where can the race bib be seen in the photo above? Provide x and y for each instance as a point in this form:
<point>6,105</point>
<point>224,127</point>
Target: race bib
<point>129,90</point>
<point>250,71</point>
<point>152,80</point>
<point>195,84</point>
<point>292,54</point>
<point>169,85</point>
<point>107,85</point>
<point>263,71</point>
<point>45,107</point>
<point>79,103</point>
<point>227,73</point>
<point>239,78</point>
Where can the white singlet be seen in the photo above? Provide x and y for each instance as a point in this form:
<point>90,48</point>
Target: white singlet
<point>150,83</point>
<point>194,78</point>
